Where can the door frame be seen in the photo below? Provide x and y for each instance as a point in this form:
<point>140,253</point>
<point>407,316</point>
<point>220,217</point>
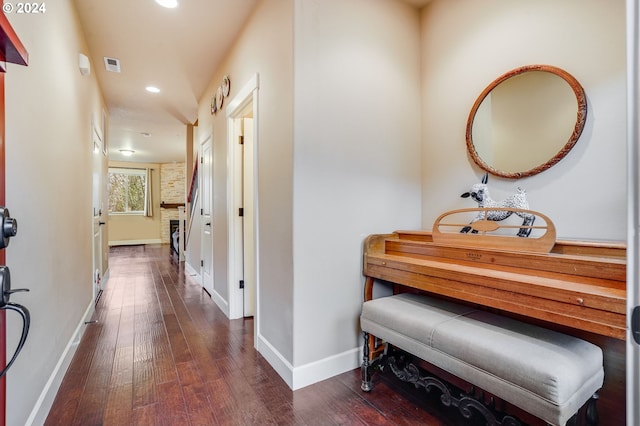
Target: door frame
<point>247,96</point>
<point>97,267</point>
<point>633,208</point>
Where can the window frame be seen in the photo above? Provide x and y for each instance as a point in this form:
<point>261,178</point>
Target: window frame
<point>134,171</point>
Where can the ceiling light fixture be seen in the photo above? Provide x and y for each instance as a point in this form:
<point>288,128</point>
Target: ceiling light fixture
<point>145,134</point>
<point>127,152</point>
<point>170,4</point>
<point>152,89</point>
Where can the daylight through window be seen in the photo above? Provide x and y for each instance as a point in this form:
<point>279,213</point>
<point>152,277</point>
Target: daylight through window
<point>126,190</point>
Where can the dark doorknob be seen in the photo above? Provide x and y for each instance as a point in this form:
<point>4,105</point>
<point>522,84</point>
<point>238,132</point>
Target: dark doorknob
<point>8,227</point>
<point>102,223</point>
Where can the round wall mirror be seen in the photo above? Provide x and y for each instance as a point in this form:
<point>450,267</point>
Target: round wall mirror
<point>526,121</point>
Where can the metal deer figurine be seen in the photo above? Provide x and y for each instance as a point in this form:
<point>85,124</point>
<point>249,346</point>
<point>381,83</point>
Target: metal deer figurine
<point>480,193</point>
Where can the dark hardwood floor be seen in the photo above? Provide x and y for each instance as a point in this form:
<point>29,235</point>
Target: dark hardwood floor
<point>162,353</point>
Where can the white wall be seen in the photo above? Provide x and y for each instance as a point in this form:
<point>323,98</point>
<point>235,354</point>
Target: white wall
<point>466,44</point>
<point>353,169</point>
<point>356,162</point>
<point>264,47</point>
<point>370,139</point>
<point>49,190</point>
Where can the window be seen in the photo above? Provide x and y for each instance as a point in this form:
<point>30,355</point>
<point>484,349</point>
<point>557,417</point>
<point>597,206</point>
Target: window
<point>127,190</point>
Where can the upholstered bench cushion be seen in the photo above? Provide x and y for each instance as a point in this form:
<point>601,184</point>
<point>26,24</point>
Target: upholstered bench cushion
<point>546,373</point>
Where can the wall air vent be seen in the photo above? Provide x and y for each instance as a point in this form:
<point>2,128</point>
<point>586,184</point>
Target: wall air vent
<point>112,64</point>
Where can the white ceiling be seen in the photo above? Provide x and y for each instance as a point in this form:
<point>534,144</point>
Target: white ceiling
<point>177,50</point>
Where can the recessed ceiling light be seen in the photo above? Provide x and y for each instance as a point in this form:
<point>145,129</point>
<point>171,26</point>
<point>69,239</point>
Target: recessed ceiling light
<point>152,89</point>
<point>127,152</point>
<point>168,3</point>
<point>145,134</point>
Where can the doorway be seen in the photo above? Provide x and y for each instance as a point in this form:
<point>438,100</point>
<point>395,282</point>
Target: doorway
<point>243,246</point>
<point>206,205</point>
<point>245,216</point>
<point>98,141</point>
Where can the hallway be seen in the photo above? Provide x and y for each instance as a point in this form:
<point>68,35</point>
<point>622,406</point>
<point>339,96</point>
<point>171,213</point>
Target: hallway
<point>162,353</point>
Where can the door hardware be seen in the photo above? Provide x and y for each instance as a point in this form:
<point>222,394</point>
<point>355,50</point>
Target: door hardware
<point>635,324</point>
<point>5,304</point>
<point>8,227</point>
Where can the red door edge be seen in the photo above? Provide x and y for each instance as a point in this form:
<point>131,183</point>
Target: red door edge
<point>13,51</point>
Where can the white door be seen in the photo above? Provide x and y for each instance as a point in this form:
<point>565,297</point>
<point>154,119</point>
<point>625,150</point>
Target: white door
<point>248,219</point>
<point>206,165</point>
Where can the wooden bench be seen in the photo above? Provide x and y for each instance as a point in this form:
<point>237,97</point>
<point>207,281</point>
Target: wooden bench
<point>546,373</point>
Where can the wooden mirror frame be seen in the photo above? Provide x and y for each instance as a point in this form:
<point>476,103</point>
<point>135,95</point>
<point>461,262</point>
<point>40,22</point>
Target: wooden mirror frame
<point>577,130</point>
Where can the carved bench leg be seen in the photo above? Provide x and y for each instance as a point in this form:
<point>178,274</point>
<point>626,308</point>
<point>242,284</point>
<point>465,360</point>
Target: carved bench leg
<point>591,413</point>
<point>366,366</point>
<point>592,410</point>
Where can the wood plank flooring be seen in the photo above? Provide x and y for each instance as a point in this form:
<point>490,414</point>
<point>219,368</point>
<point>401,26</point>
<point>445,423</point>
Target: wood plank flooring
<point>162,353</point>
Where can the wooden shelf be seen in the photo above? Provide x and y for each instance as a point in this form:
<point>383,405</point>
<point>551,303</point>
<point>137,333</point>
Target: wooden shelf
<point>164,205</point>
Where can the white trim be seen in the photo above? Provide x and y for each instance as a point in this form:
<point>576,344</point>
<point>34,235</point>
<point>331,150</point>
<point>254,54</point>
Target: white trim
<point>633,207</point>
<point>219,300</point>
<point>247,95</point>
<point>191,272</point>
<point>276,360</point>
<point>105,277</point>
<point>313,372</point>
<point>42,406</point>
<point>134,242</point>
<point>325,368</point>
<point>128,171</point>
<point>241,99</point>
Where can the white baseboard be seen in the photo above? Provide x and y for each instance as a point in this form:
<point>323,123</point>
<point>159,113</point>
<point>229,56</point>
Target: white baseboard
<point>222,304</point>
<point>134,242</point>
<point>308,374</point>
<point>45,400</point>
<point>276,360</point>
<point>217,299</point>
<point>105,278</point>
<point>323,369</point>
<point>195,275</point>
